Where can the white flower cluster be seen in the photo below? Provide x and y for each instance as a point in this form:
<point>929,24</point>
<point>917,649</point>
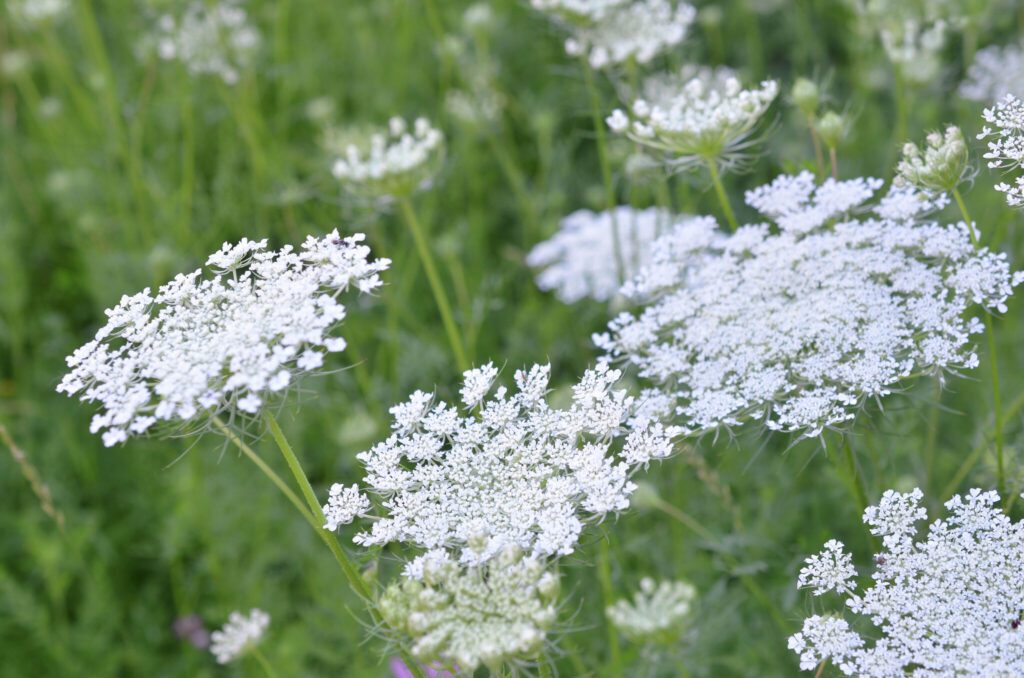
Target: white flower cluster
<point>995,72</point>
<point>465,617</point>
<point>948,605</point>
<point>579,10</point>
<point>36,12</point>
<point>578,262</point>
<point>1006,144</point>
<point>238,635</point>
<point>915,48</point>
<point>709,117</point>
<point>510,471</point>
<point>200,346</point>
<point>660,89</point>
<point>939,167</point>
<point>215,39</point>
<point>658,611</point>
<point>395,164</point>
<point>608,34</point>
<point>797,328</point>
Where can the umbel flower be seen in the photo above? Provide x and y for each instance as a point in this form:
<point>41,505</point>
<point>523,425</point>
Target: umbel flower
<point>915,48</point>
<point>797,327</point>
<point>946,604</point>
<point>239,635</point>
<point>508,470</point>
<point>709,118</point>
<point>939,167</point>
<point>579,11</point>
<point>203,346</point>
<point>1006,144</point>
<point>465,617</point>
<point>658,612</point>
<point>215,39</point>
<point>395,164</point>
<point>639,30</point>
<point>575,261</point>
<point>996,71</point>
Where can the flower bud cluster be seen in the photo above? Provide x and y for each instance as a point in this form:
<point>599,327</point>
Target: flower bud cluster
<point>240,634</point>
<point>939,167</point>
<point>658,612</point>
<point>395,164</point>
<point>215,39</point>
<point>708,118</point>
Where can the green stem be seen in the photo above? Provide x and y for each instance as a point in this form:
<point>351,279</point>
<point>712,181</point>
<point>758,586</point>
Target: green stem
<point>543,670</point>
<point>604,574</point>
<point>264,664</point>
<point>723,198</point>
<point>972,458</point>
<point>993,361</point>
<point>606,167</point>
<point>819,157</point>
<point>834,162</point>
<point>440,297</point>
<point>348,567</point>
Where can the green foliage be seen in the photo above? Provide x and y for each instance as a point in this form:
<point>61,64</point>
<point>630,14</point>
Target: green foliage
<point>139,170</point>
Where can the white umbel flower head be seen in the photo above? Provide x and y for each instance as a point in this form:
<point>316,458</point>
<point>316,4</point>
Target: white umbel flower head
<point>658,612</point>
<point>467,617</point>
<point>215,39</point>
<point>239,635</point>
<point>343,505</point>
<point>940,167</point>
<point>579,11</point>
<point>995,72</point>
<point>506,470</point>
<point>395,164</point>
<point>1006,144</point>
<point>798,328</point>
<point>915,48</point>
<point>639,30</point>
<point>579,261</point>
<point>709,118</point>
<point>948,604</point>
<point>202,346</point>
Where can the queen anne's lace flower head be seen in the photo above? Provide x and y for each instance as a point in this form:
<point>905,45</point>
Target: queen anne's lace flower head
<point>509,469</point>
<point>797,328</point>
<point>1006,144</point>
<point>395,164</point>
<point>216,39</point>
<point>708,118</point>
<point>200,346</point>
<point>638,30</point>
<point>939,167</point>
<point>658,612</point>
<point>239,635</point>
<point>950,604</point>
<point>995,72</point>
<point>579,261</point>
<point>466,617</point>
<point>579,11</point>
<point>915,48</point>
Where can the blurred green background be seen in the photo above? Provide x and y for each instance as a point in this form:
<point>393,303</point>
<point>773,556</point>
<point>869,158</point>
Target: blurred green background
<point>120,170</point>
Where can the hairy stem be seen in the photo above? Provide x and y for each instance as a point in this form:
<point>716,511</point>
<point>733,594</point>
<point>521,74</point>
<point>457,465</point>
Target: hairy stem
<point>440,297</point>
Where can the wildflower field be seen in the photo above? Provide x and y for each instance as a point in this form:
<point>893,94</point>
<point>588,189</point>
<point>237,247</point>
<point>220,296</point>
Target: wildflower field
<point>523,337</point>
